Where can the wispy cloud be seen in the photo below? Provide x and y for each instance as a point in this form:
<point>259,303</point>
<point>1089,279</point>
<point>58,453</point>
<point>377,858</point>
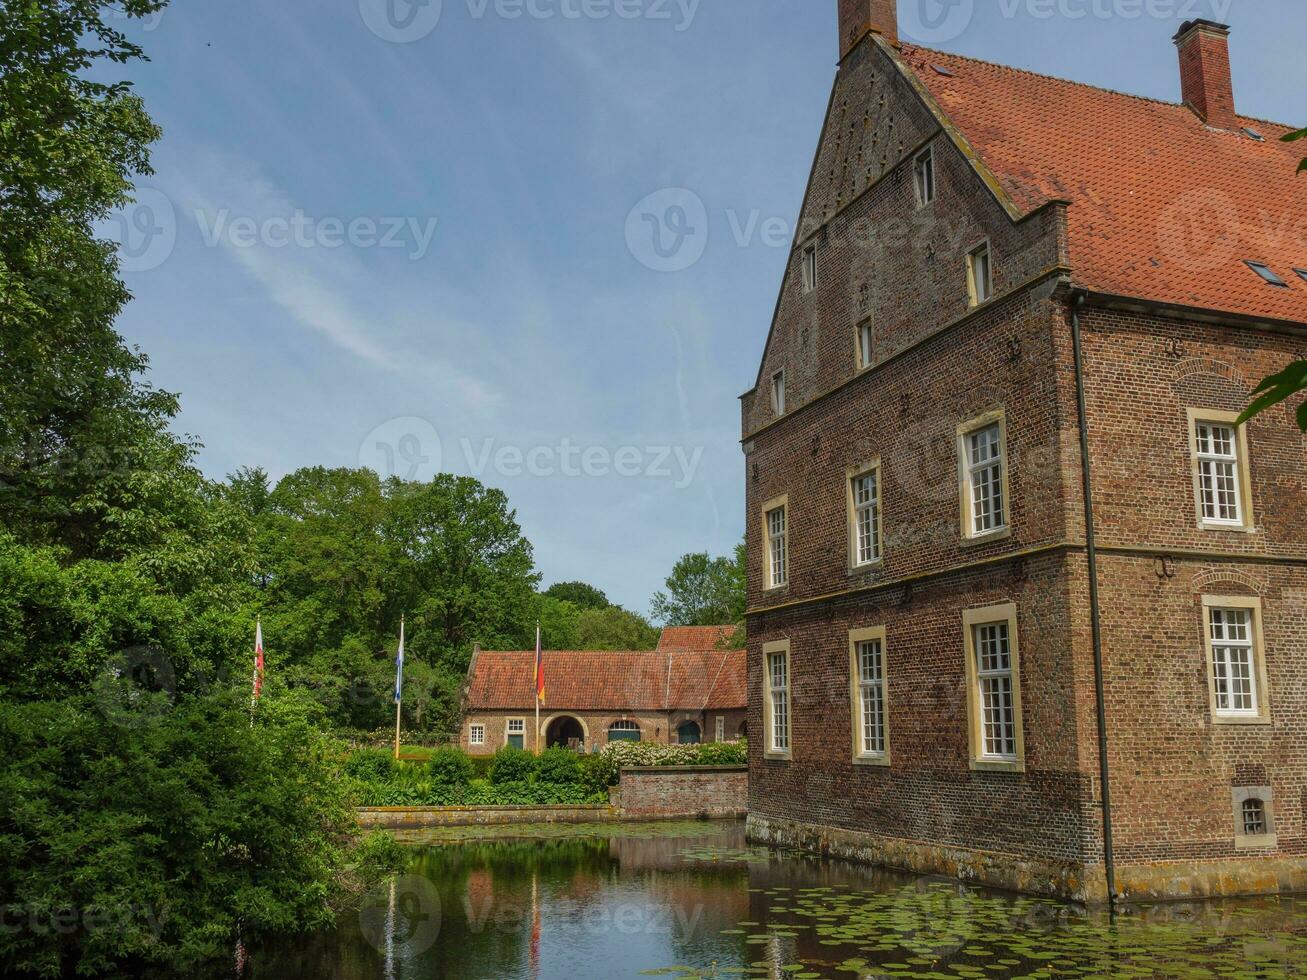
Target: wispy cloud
<point>318,285</point>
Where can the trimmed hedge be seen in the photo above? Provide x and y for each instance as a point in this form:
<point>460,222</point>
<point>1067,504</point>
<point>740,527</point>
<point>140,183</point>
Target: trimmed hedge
<point>516,778</point>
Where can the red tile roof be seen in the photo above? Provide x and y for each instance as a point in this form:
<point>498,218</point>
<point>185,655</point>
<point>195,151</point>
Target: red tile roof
<point>1161,207</point>
<point>655,680</point>
<point>695,637</point>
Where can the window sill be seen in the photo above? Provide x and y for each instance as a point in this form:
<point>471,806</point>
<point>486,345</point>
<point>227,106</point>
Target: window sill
<point>1232,528</point>
<point>867,566</point>
<point>998,765</point>
<point>878,761</point>
<point>777,756</point>
<point>1261,842</point>
<point>997,534</point>
<point>1263,720</point>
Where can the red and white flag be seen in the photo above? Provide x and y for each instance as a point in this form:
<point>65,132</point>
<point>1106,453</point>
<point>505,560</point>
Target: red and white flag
<point>258,660</point>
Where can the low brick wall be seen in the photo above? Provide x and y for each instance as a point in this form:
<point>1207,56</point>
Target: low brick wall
<point>679,792</point>
<point>416,818</point>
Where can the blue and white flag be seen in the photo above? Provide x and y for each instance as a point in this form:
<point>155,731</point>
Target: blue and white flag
<point>399,666</point>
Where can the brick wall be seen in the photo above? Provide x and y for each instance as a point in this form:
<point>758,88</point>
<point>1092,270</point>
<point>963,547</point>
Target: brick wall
<point>937,365</point>
<point>671,792</point>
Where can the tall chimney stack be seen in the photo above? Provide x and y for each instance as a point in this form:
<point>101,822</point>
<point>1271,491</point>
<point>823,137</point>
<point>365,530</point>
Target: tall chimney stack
<point>1205,81</point>
<point>858,18</point>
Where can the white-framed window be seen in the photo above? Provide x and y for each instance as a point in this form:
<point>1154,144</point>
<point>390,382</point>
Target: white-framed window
<point>1236,665</point>
<point>864,517</point>
<point>516,733</point>
<point>994,687</point>
<point>980,276</point>
<point>870,699</point>
<point>1220,459</point>
<point>776,698</point>
<point>923,171</point>
<point>866,341</point>
<point>778,392</point>
<point>776,530</point>
<point>477,735</point>
<point>720,732</point>
<point>983,447</point>
<point>809,268</point>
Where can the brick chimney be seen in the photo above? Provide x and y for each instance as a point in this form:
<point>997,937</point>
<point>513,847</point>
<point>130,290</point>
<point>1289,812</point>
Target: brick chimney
<point>1205,81</point>
<point>858,18</point>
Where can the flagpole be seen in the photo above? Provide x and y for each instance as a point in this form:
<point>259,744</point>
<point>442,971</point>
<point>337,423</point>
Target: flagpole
<point>399,686</point>
<point>539,667</point>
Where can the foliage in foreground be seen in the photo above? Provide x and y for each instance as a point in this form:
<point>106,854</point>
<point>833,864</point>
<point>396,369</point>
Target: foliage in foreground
<point>154,833</point>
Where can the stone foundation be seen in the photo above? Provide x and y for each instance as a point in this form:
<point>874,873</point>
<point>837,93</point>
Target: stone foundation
<point>417,818</point>
<point>1056,879</point>
<point>1161,882</point>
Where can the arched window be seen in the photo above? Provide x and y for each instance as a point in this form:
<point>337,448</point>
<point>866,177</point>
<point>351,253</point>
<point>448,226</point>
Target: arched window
<point>623,731</point>
<point>1254,817</point>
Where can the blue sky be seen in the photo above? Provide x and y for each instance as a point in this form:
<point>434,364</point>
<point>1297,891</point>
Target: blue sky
<point>377,235</point>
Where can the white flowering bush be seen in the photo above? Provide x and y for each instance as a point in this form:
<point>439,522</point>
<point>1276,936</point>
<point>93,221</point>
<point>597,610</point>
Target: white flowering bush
<point>653,754</point>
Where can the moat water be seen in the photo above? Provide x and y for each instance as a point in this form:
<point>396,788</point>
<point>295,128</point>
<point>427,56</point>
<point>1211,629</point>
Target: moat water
<point>689,900</point>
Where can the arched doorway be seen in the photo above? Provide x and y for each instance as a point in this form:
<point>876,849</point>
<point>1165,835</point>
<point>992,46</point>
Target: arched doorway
<point>565,732</point>
<point>688,733</point>
<point>743,731</point>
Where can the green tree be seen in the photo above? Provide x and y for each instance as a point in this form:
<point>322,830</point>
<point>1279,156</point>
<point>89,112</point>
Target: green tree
<point>703,591</point>
<point>579,594</point>
<point>80,428</point>
<point>614,628</point>
<point>557,618</point>
<point>1293,138</point>
<point>153,835</point>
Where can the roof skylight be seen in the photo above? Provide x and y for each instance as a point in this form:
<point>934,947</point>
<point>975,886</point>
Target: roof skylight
<point>1267,273</point>
<point>1254,134</point>
<point>941,70</point>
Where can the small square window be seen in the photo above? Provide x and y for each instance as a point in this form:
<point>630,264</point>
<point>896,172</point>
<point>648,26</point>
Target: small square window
<point>809,268</point>
<point>923,170</point>
<point>1267,273</point>
<point>1254,817</point>
<point>778,393</point>
<point>866,344</point>
<point>980,279</point>
<point>477,735</point>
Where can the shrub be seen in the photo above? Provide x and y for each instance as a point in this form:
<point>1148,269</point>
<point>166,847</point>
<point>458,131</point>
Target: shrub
<point>450,767</point>
<point>598,772</point>
<point>558,767</point>
<point>371,765</point>
<point>512,766</point>
<point>723,754</point>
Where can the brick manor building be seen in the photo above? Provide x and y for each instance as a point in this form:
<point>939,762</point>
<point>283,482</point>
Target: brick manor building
<point>691,689</point>
<point>1027,606</point>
